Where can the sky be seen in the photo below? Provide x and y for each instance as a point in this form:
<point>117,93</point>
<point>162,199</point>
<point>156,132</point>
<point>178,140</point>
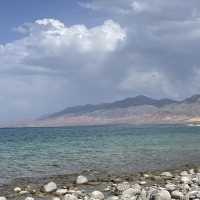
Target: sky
<point>60,53</point>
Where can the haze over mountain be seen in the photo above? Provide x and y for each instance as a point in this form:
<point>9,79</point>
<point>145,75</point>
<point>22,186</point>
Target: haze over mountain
<point>136,110</point>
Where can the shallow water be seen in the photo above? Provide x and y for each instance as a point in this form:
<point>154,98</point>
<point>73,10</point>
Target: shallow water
<point>50,151</point>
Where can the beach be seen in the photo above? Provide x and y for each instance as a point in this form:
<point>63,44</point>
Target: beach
<point>182,183</point>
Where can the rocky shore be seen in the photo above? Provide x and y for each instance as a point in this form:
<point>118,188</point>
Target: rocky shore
<point>179,184</point>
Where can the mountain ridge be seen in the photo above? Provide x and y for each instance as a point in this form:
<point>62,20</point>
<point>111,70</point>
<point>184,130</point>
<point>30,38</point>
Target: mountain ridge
<point>139,100</point>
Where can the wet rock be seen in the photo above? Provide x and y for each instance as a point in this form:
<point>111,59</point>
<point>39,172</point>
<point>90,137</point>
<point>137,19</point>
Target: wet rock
<point>177,194</point>
<point>61,191</point>
<point>70,197</point>
<point>97,195</point>
<point>160,195</point>
<point>17,189</point>
<point>81,180</point>
<point>50,187</point>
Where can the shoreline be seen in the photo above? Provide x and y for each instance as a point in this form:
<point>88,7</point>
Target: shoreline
<point>96,181</point>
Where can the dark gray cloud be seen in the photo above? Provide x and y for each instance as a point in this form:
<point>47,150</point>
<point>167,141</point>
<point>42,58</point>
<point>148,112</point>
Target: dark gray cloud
<point>145,47</point>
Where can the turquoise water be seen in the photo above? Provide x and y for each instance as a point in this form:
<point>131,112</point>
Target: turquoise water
<point>47,151</point>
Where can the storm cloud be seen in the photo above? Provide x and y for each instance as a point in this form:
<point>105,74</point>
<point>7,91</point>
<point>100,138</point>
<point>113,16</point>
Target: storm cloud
<point>143,47</point>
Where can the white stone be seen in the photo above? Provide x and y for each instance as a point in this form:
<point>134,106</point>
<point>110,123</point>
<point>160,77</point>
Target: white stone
<point>167,175</point>
<point>29,198</point>
<point>81,180</point>
<point>130,193</point>
<point>160,195</point>
<point>191,171</point>
<point>177,195</point>
<point>123,186</point>
<point>97,195</point>
<point>170,187</point>
<point>184,173</point>
<point>70,197</point>
<point>23,192</point>
<point>146,176</point>
<point>55,198</point>
<point>186,179</point>
<point>185,187</point>
<point>17,189</point>
<point>113,198</point>
<point>50,187</point>
<point>3,198</point>
<point>61,191</point>
<point>143,182</point>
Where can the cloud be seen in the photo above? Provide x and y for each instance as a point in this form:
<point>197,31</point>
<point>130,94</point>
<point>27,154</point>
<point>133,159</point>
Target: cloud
<point>51,62</point>
<point>149,47</point>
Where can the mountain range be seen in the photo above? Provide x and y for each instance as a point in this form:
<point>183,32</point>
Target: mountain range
<point>136,110</point>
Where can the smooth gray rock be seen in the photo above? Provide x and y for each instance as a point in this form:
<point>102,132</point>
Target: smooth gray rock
<point>170,187</point>
<point>129,194</point>
<point>185,179</point>
<point>61,191</point>
<point>81,180</point>
<point>166,174</point>
<point>70,197</point>
<point>97,195</point>
<point>177,194</point>
<point>160,195</point>
<point>123,186</point>
<point>50,187</point>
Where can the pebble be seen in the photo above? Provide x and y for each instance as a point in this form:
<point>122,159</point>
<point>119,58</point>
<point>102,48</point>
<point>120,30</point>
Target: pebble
<point>23,192</point>
<point>17,189</point>
<point>184,173</point>
<point>113,198</point>
<point>166,174</point>
<point>123,186</point>
<point>61,191</point>
<point>55,198</point>
<point>50,187</point>
<point>160,195</point>
<point>130,193</point>
<point>185,179</point>
<point>29,198</point>
<point>177,195</point>
<point>97,195</point>
<point>81,180</point>
<point>70,197</point>
<point>170,187</point>
<point>3,198</point>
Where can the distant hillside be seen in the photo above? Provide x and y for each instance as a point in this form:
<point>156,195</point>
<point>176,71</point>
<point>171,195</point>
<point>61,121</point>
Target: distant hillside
<point>136,101</point>
<point>136,110</point>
